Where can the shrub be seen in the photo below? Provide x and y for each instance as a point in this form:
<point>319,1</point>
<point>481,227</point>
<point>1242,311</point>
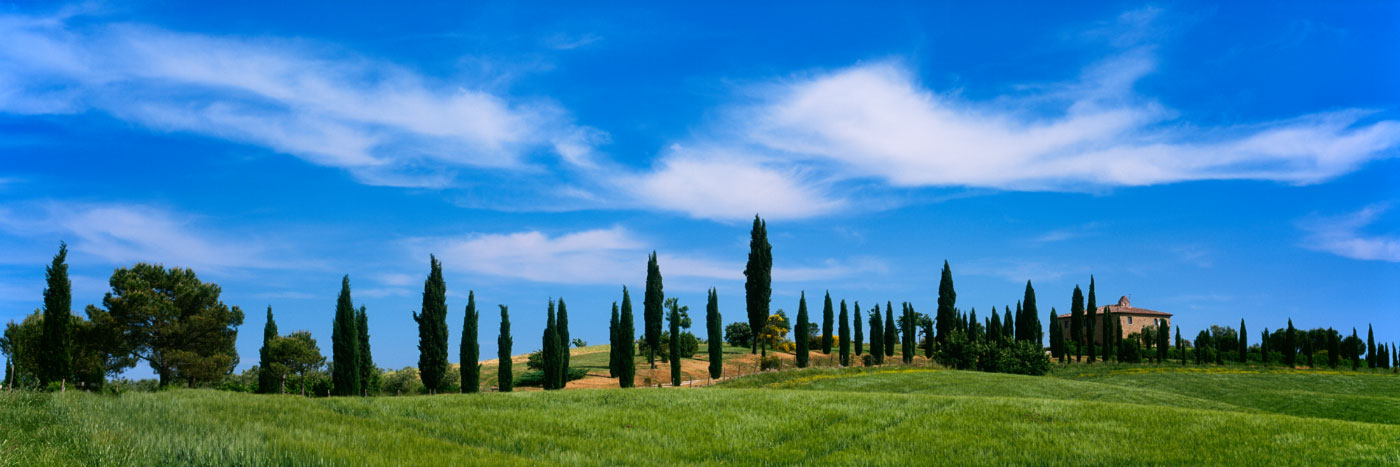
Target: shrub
<point>867,360</point>
<point>1132,352</point>
<point>400,382</point>
<point>771,362</point>
<point>1023,358</point>
<point>738,335</point>
<point>535,361</point>
<point>956,352</point>
<point>536,377</point>
<point>689,346</point>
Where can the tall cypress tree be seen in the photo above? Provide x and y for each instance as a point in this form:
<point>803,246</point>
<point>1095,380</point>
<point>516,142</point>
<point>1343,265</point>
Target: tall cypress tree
<point>564,344</point>
<point>845,336</point>
<point>1308,350</point>
<point>267,377</point>
<point>1108,333</point>
<point>758,282</point>
<point>470,352</point>
<point>369,375</point>
<point>1076,322</point>
<point>1370,347</point>
<point>505,380</point>
<point>1008,326</point>
<point>1351,353</point>
<point>675,343</point>
<point>1244,343</point>
<point>890,329</point>
<point>947,302</point>
<point>549,350</point>
<point>1093,307</point>
<point>799,333</point>
<point>432,329</point>
<point>651,309</point>
<point>613,344</point>
<point>1056,337</point>
<point>345,343</point>
<point>826,324</point>
<point>1264,347</point>
<point>877,333</point>
<point>715,337</point>
<point>1180,347</point>
<point>906,350</point>
<point>627,335</point>
<point>1290,345</point>
<point>994,328</point>
<point>1031,322</point>
<point>858,321</point>
<point>54,356</point>
<point>930,335</point>
<point>1334,348</point>
<point>1164,336</point>
<point>1091,325</point>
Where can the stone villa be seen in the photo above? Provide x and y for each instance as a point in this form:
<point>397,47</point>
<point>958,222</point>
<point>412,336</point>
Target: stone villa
<point>1132,319</point>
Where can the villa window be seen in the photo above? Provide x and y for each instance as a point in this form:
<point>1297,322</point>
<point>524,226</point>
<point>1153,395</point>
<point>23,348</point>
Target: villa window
<point>1130,320</point>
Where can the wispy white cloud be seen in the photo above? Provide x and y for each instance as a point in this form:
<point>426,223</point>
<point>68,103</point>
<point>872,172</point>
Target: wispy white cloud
<point>602,256</point>
<point>384,123</point>
<point>1344,236</point>
<point>125,234</point>
<point>711,185</point>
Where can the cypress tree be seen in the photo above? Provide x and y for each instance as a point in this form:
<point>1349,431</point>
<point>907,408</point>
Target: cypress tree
<point>845,336</point>
<point>715,339</point>
<point>1164,336</point>
<point>877,339</point>
<point>432,329</point>
<point>758,279</point>
<point>470,352</point>
<point>345,343</point>
<point>369,375</point>
<point>675,350</point>
<point>906,346</point>
<point>1334,349</point>
<point>627,336</point>
<point>1008,326</point>
<point>1264,347</point>
<point>1370,347</point>
<point>1031,323</point>
<point>505,380</point>
<point>930,336</point>
<point>651,309</point>
<point>54,356</point>
<point>1090,331</point>
<point>1351,352</point>
<point>1244,343</point>
<point>800,332</point>
<point>826,324</point>
<point>1076,321</point>
<point>1180,347</point>
<point>947,302</point>
<point>890,330</point>
<point>1290,346</point>
<point>1057,349</point>
<point>564,346</point>
<point>994,328</point>
<point>973,327</point>
<point>267,377</point>
<point>613,344</point>
<point>1108,333</point>
<point>549,350</point>
<point>1308,349</point>
<point>1093,307</point>
<point>857,320</point>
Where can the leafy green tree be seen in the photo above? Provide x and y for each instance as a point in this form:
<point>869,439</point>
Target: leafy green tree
<point>1076,322</point>
<point>627,333</point>
<point>1030,321</point>
<point>890,330</point>
<point>906,346</point>
<point>1290,346</point>
<point>432,329</point>
<point>1355,359</point>
<point>267,376</point>
<point>1334,348</point>
<point>1244,343</point>
<point>1308,351</point>
<point>369,375</point>
<point>1008,326</point>
<point>1109,327</point>
<point>651,308</point>
<point>549,347</point>
<point>345,345</point>
<point>504,377</point>
<point>1164,342</point>
<point>827,318</point>
<point>1180,346</point>
<point>470,353</point>
<point>801,354</point>
<point>1370,338</point>
<point>931,335</point>
<point>947,303</point>
<point>877,343</point>
<point>675,351</point>
<point>714,338</point>
<point>1057,337</point>
<point>614,343</point>
<point>758,274</point>
<point>858,321</point>
<point>1092,307</point>
<point>564,348</point>
<point>171,320</point>
<point>845,336</point>
<point>296,353</point>
<point>1091,318</point>
<point>55,357</point>
<point>994,328</point>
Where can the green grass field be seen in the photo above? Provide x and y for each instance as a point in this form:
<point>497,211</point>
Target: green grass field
<point>1102,415</point>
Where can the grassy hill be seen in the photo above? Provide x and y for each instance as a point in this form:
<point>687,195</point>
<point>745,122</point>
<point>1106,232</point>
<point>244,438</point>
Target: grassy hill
<point>848,416</point>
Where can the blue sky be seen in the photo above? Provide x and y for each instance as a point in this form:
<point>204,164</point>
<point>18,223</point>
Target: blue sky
<point>1218,162</point>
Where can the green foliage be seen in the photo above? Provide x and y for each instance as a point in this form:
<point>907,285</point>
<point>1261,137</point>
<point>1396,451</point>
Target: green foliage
<point>738,335</point>
<point>826,325</point>
<point>296,353</point>
<point>403,382</point>
<point>758,277</point>
<point>562,327</point>
<point>877,341</point>
<point>549,351</point>
<point>537,378</point>
<point>858,328</point>
<point>714,338</point>
<point>891,333</point>
<point>947,303</point>
<point>369,374</point>
<point>345,345</point>
<point>652,304</point>
<point>171,320</point>
<point>626,333</point>
<point>614,343</point>
<point>771,362</point>
<point>845,336</point>
<point>1029,321</point>
<point>470,353</point>
<point>504,378</point>
<point>268,379</point>
<point>675,344</point>
<point>432,329</point>
<point>801,354</point>
<point>54,355</point>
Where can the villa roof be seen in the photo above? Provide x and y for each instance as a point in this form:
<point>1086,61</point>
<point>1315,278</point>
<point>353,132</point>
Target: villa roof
<point>1124,307</point>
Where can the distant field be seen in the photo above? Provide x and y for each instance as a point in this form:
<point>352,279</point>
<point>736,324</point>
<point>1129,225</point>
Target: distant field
<point>848,416</point>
